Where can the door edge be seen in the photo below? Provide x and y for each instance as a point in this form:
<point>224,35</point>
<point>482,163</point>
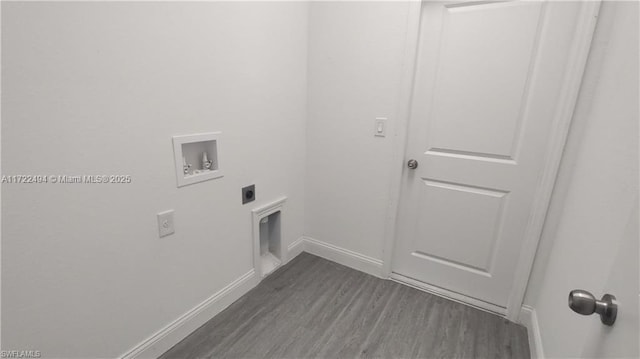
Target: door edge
<point>572,82</point>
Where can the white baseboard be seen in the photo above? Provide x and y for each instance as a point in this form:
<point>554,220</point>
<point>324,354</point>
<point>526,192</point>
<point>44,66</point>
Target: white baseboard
<point>173,333</point>
<point>343,256</point>
<point>529,319</point>
<point>295,248</point>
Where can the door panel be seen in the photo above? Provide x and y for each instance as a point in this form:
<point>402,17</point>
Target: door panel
<point>446,206</point>
<point>489,77</point>
<point>484,63</point>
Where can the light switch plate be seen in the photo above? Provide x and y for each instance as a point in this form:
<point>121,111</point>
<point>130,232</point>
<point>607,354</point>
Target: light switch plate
<point>380,129</point>
<point>165,223</point>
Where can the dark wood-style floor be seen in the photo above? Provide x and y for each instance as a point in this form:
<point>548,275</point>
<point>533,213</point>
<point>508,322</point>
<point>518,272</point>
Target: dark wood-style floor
<point>314,308</point>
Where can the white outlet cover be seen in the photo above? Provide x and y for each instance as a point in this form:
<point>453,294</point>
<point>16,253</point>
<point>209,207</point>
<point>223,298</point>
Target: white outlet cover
<point>165,223</point>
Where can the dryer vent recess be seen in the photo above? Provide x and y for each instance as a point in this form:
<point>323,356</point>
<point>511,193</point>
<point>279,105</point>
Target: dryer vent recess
<point>248,194</point>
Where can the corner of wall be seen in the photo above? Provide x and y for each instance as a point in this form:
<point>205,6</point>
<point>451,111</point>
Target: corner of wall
<point>343,256</point>
<point>295,249</point>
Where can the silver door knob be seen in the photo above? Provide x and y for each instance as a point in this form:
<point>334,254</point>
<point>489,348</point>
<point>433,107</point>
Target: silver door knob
<point>583,302</point>
<point>413,164</point>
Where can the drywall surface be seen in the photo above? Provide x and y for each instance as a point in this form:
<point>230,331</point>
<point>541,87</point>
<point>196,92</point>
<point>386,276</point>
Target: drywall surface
<point>99,88</point>
<point>596,191</point>
<point>355,65</point>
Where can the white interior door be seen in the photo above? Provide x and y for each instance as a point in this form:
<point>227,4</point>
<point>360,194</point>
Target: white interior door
<point>489,81</point>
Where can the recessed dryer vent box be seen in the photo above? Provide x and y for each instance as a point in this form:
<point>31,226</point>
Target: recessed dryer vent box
<point>197,157</point>
<point>267,237</point>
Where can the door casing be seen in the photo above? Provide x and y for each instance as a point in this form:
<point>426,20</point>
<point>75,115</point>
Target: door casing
<point>571,86</point>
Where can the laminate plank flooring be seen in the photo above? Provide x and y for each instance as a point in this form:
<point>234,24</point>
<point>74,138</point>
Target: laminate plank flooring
<point>314,308</point>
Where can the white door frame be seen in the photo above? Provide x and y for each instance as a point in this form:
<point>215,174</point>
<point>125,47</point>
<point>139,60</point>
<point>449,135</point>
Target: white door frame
<point>571,87</point>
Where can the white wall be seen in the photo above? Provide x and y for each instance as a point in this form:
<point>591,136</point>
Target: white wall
<point>596,189</point>
<point>355,70</point>
<point>100,88</point>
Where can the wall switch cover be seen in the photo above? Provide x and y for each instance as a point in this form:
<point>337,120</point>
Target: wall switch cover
<point>165,223</point>
<point>381,127</point>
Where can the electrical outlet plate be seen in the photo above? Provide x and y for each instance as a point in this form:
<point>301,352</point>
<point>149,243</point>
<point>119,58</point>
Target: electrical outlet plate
<point>248,194</point>
<point>165,223</point>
